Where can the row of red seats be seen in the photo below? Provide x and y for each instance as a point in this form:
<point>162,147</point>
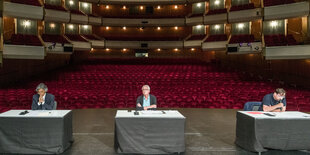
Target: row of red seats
<point>244,38</point>
<point>197,37</point>
<point>23,39</point>
<point>54,38</point>
<point>219,37</point>
<point>27,2</point>
<point>277,2</point>
<point>279,40</point>
<point>196,15</point>
<point>90,37</point>
<point>242,7</point>
<point>75,37</point>
<point>143,38</point>
<point>54,7</point>
<point>217,11</point>
<point>78,12</point>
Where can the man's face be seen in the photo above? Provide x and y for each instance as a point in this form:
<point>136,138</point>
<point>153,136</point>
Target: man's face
<point>41,92</point>
<point>145,91</point>
<point>279,97</point>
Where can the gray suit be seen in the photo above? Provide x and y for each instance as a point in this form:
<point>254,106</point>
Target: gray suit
<point>48,102</point>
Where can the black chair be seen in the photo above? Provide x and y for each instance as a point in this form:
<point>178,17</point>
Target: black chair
<point>252,106</point>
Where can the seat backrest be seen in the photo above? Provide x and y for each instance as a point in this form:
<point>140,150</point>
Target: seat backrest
<point>252,106</point>
<point>55,105</point>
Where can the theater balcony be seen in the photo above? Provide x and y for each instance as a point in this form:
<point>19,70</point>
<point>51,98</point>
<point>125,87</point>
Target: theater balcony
<point>79,43</point>
<point>243,44</point>
<point>285,9</point>
<point>243,13</point>
<point>95,41</point>
<point>94,20</point>
<point>78,17</point>
<point>30,9</point>
<point>194,41</point>
<point>218,16</point>
<point>57,44</point>
<point>284,47</point>
<point>194,19</point>
<point>144,42</point>
<point>122,2</point>
<point>143,22</point>
<point>56,14</point>
<point>215,42</point>
<point>23,47</point>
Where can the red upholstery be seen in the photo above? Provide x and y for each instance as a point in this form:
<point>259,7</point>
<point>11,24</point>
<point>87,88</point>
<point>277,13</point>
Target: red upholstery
<point>107,83</point>
<point>75,37</point>
<point>244,38</point>
<point>242,7</point>
<point>90,37</point>
<point>279,40</point>
<point>54,38</point>
<point>277,2</point>
<point>20,39</point>
<point>54,7</point>
<point>143,38</point>
<point>217,11</point>
<point>197,37</point>
<point>219,37</point>
<point>27,2</point>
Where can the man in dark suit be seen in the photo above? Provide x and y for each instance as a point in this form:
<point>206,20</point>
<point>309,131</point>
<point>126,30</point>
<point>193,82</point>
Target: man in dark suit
<point>42,100</point>
<point>146,101</point>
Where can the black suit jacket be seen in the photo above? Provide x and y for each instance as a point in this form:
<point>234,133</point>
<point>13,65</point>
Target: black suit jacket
<point>153,101</point>
<point>48,103</point>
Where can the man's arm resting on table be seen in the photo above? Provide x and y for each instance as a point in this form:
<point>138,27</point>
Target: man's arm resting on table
<point>275,108</point>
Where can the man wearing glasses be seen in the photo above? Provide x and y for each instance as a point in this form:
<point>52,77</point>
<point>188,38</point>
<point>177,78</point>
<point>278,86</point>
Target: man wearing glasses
<point>146,101</point>
<point>274,102</point>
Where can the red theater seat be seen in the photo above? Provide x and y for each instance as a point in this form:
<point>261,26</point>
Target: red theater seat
<point>54,7</point>
<point>244,38</point>
<point>54,38</point>
<point>219,37</point>
<point>242,7</point>
<point>27,2</point>
<point>75,37</point>
<point>21,39</point>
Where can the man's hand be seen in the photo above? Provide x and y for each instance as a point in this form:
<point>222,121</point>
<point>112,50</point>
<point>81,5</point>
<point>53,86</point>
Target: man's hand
<point>280,105</point>
<point>41,100</point>
<point>139,105</point>
<point>145,108</point>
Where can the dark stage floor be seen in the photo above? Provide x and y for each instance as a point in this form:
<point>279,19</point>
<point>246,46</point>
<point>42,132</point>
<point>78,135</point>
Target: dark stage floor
<point>208,132</point>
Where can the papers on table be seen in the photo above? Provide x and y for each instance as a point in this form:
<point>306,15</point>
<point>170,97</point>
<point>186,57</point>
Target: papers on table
<point>281,115</point>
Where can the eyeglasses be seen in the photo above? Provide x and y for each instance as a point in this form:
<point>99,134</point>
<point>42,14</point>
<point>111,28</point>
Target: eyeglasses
<point>281,96</point>
<point>145,89</point>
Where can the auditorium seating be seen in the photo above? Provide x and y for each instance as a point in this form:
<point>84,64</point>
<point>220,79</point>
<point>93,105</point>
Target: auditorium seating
<point>75,37</point>
<point>279,40</point>
<point>54,7</point>
<point>106,83</point>
<point>197,37</point>
<point>217,11</point>
<point>196,15</point>
<point>54,38</point>
<point>219,37</point>
<point>21,39</point>
<point>90,37</point>
<point>143,38</point>
<point>244,38</point>
<point>27,2</point>
<point>78,12</point>
<point>242,7</point>
<point>277,2</point>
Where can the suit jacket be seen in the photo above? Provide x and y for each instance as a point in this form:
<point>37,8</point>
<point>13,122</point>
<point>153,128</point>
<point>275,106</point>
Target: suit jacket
<point>153,101</point>
<point>48,102</point>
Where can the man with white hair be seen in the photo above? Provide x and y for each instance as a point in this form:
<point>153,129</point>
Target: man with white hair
<point>42,100</point>
<point>146,101</point>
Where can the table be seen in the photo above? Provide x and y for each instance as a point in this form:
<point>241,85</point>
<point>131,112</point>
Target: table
<point>37,132</point>
<point>257,132</point>
<point>150,132</point>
